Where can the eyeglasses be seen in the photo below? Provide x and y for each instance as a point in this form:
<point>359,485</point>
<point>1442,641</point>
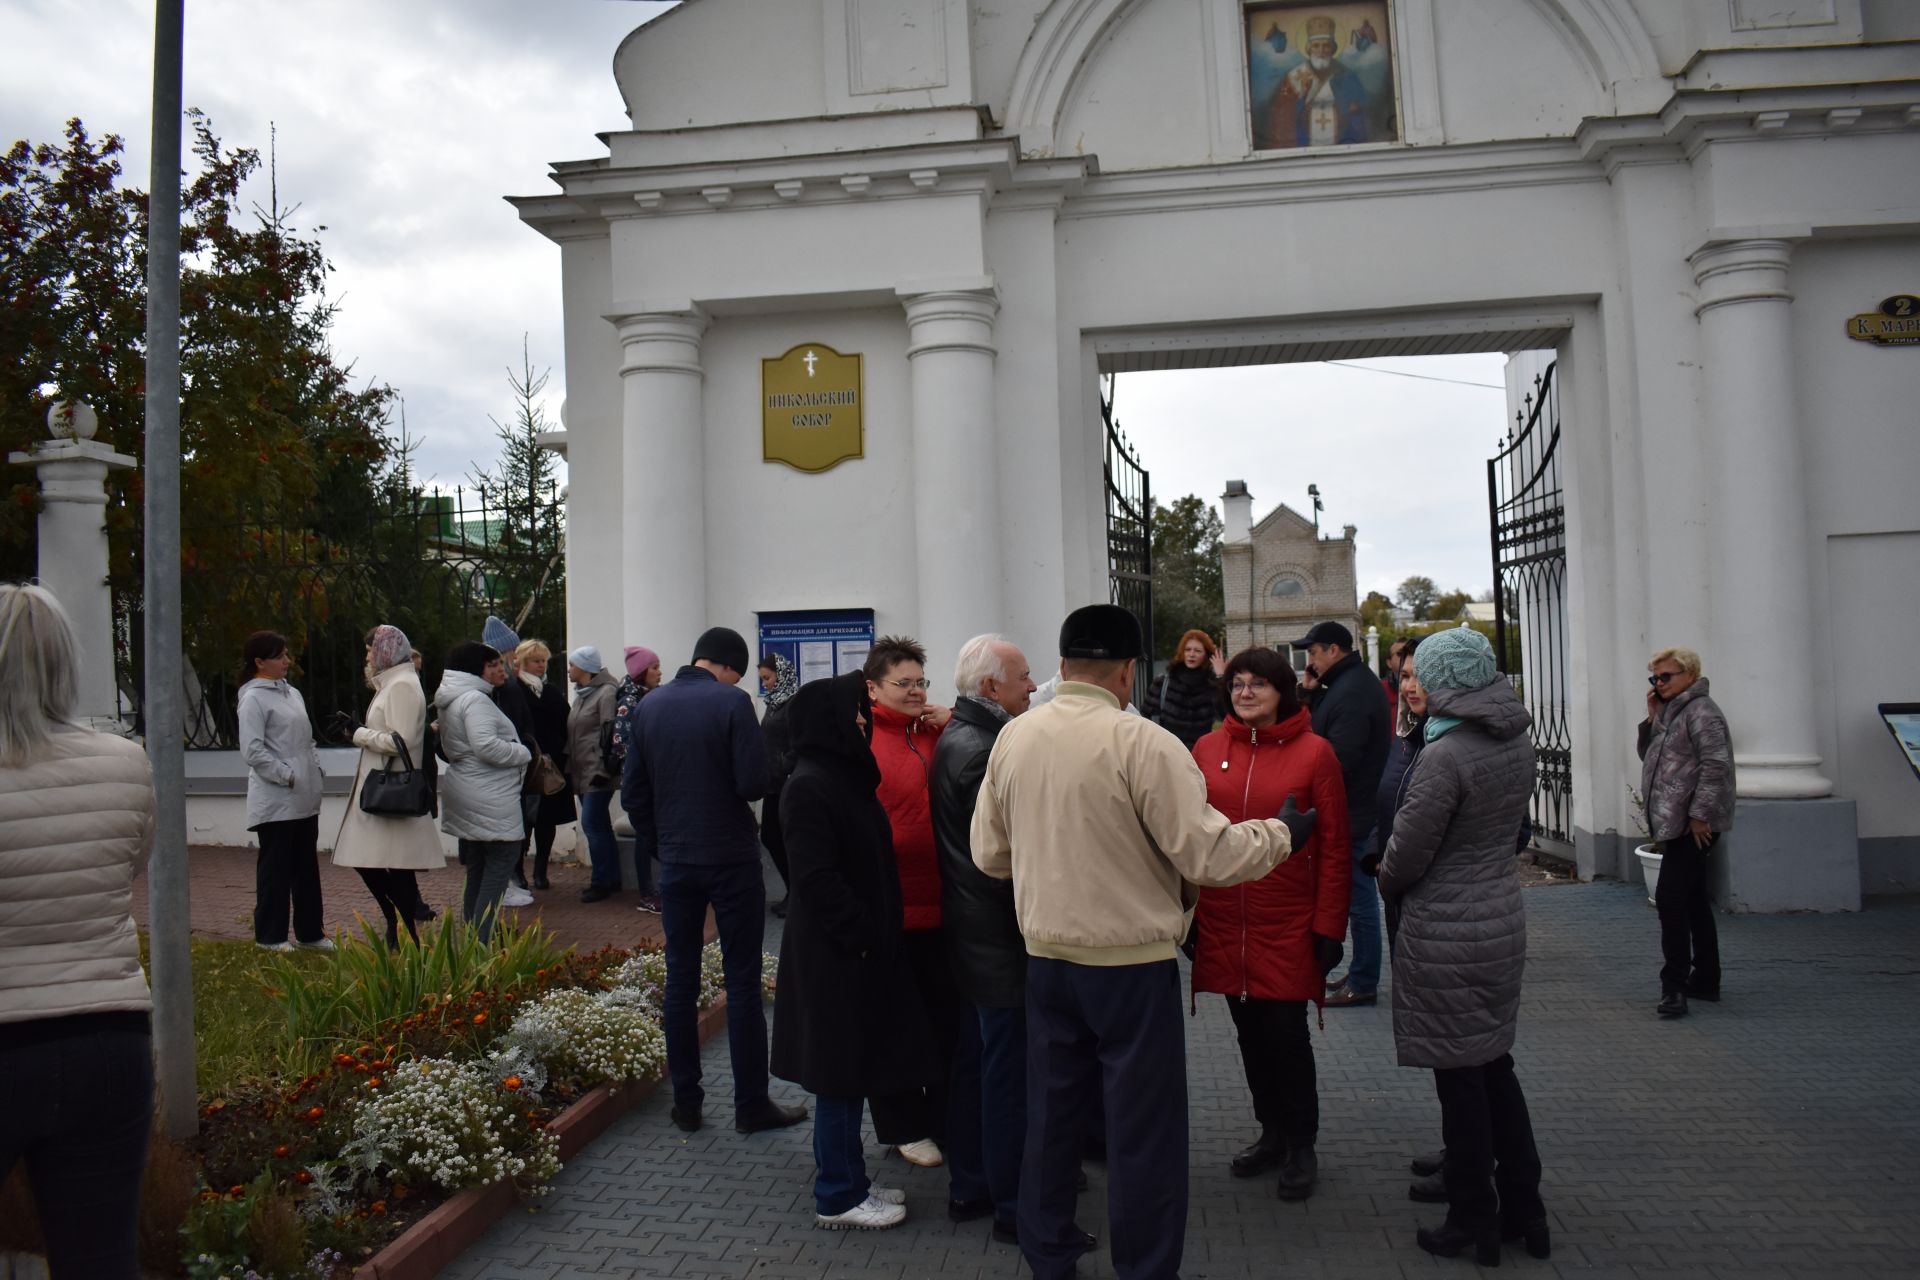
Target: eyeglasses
<point>1251,686</point>
<point>921,683</point>
<point>1661,678</point>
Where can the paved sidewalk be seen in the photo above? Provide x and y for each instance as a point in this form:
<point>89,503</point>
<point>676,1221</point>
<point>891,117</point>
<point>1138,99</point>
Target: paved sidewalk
<point>222,900</point>
<point>1776,1135</point>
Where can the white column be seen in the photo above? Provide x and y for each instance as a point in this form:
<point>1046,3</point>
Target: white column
<point>1761,583</point>
<point>663,533</point>
<point>73,544</point>
<point>956,508</point>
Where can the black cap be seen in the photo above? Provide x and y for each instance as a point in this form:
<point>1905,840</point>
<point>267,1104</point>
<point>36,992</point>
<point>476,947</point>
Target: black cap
<point>1327,633</point>
<point>1101,631</point>
<point>724,646</point>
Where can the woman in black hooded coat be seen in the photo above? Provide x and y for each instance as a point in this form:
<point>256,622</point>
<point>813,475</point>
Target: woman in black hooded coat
<point>847,1020</point>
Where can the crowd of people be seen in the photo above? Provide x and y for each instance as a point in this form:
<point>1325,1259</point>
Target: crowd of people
<point>984,901</point>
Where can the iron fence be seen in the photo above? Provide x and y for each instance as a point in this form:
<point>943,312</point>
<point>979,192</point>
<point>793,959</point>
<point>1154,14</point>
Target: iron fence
<point>1129,537</point>
<point>432,563</point>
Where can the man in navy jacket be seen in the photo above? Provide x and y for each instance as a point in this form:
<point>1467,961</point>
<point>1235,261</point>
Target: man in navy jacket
<point>1351,714</point>
<point>696,762</point>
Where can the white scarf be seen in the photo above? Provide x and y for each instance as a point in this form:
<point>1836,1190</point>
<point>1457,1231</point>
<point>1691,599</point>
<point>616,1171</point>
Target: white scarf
<point>532,682</point>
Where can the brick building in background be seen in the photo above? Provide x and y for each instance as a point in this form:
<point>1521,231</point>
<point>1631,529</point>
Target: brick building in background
<point>1282,575</point>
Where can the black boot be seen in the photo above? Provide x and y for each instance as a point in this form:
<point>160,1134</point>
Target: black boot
<point>1299,1173</point>
<point>1431,1189</point>
<point>540,871</point>
<point>1538,1238</point>
<point>1266,1153</point>
<point>1449,1241</point>
<point>1674,1005</point>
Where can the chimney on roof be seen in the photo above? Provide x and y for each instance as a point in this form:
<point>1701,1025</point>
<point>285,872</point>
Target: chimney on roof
<point>1236,506</point>
<point>1347,531</point>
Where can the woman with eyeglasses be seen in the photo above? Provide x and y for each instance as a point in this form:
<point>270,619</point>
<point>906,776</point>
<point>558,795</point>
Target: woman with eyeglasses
<point>1268,946</point>
<point>906,728</point>
<point>1686,776</point>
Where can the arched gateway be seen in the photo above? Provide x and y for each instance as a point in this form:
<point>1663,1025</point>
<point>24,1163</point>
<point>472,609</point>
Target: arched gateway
<point>993,204</point>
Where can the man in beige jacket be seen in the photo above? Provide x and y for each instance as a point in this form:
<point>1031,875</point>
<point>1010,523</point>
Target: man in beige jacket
<point>1101,821</point>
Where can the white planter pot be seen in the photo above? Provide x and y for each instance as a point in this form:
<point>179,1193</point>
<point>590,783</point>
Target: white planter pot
<point>1649,855</point>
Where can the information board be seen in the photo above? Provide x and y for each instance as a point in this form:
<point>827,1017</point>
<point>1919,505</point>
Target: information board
<point>1903,721</point>
<point>818,642</point>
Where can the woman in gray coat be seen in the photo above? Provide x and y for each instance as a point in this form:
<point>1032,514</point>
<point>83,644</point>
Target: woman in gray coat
<point>1686,775</point>
<point>1463,943</point>
<point>283,797</point>
<point>480,789</point>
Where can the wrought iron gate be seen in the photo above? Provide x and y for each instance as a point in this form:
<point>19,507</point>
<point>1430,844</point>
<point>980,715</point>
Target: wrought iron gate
<point>1529,520</point>
<point>1129,535</point>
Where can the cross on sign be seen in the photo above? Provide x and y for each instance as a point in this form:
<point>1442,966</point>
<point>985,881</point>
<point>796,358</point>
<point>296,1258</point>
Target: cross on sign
<point>809,360</point>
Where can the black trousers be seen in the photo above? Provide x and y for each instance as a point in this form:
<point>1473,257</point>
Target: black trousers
<point>1689,941</point>
<point>288,866</point>
<point>398,894</point>
<point>770,834</point>
<point>922,1113</point>
<point>1115,1034</point>
<point>1276,1049</point>
<point>1493,1168</point>
<point>83,1136</point>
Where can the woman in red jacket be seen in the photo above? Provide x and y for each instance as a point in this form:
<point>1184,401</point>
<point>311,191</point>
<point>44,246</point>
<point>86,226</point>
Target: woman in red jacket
<point>1269,945</point>
<point>906,728</point>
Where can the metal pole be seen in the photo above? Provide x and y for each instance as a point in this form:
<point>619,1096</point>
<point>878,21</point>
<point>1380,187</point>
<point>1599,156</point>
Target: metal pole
<point>168,886</point>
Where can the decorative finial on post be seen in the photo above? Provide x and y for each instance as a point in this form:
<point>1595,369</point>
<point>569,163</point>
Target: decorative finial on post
<point>72,420</point>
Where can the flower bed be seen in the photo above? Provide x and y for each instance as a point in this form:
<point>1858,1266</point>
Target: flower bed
<point>405,1078</point>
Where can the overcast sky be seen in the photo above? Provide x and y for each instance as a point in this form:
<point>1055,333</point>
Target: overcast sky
<point>402,125</point>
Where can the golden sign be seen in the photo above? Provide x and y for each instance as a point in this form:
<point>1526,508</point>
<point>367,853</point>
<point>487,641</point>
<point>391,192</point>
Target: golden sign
<point>1896,324</point>
<point>810,407</point>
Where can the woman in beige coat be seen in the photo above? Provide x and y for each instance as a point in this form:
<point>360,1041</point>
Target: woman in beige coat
<point>386,851</point>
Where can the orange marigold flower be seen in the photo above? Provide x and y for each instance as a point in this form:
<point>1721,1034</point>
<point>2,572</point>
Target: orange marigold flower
<point>479,1018</point>
<point>344,1059</point>
<point>373,1083</point>
<point>236,1191</point>
<point>513,1082</point>
<point>303,1177</point>
<point>378,1207</point>
<point>282,1152</point>
<point>314,1113</point>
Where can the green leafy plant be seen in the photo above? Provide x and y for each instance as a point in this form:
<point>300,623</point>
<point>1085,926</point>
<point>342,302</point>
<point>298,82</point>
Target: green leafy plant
<point>369,986</point>
<point>253,1230</point>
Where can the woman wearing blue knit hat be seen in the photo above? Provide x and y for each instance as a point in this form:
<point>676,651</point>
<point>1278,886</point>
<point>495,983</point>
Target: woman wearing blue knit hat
<point>1462,943</point>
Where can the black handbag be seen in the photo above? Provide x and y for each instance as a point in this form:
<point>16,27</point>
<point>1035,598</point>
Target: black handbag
<point>405,792</point>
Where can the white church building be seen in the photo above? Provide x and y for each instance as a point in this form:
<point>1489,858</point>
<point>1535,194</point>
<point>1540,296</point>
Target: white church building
<point>1706,211</point>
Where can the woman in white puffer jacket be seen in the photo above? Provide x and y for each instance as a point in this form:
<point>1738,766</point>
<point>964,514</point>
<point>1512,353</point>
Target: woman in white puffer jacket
<point>76,1050</point>
<point>480,789</point>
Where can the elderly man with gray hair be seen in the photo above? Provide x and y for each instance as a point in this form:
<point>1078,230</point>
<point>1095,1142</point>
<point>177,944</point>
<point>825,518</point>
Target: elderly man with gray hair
<point>989,1085</point>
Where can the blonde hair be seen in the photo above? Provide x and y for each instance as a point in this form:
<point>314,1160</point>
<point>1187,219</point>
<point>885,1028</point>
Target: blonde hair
<point>531,649</point>
<point>1686,659</point>
<point>39,661</point>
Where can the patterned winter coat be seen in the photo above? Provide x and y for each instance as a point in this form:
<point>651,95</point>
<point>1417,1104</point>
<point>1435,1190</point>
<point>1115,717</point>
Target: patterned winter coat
<point>1686,765</point>
<point>1463,930</point>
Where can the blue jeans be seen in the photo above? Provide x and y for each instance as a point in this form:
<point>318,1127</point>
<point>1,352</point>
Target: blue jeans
<point>596,824</point>
<point>840,1166</point>
<point>964,1145</point>
<point>739,901</point>
<point>1363,923</point>
<point>1003,1105</point>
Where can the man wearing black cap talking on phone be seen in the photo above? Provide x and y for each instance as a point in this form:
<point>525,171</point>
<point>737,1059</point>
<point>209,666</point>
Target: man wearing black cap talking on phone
<point>1101,821</point>
<point>1351,713</point>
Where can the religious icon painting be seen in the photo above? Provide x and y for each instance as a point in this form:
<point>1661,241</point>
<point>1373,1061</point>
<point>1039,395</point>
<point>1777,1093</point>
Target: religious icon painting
<point>1320,75</point>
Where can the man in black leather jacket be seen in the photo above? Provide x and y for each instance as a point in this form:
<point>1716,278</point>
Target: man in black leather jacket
<point>983,940</point>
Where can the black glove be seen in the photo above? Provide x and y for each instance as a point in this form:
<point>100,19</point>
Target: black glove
<point>342,725</point>
<point>1299,825</point>
<point>1326,953</point>
<point>1370,865</point>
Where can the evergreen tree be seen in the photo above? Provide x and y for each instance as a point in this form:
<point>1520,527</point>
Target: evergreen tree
<point>520,503</point>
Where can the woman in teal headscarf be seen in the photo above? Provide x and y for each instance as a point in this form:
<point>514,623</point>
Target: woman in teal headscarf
<point>1462,943</point>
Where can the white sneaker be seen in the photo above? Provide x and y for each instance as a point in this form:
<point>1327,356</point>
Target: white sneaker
<point>318,944</point>
<point>887,1195</point>
<point>515,896</point>
<point>869,1215</point>
<point>282,947</point>
<point>923,1153</point>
